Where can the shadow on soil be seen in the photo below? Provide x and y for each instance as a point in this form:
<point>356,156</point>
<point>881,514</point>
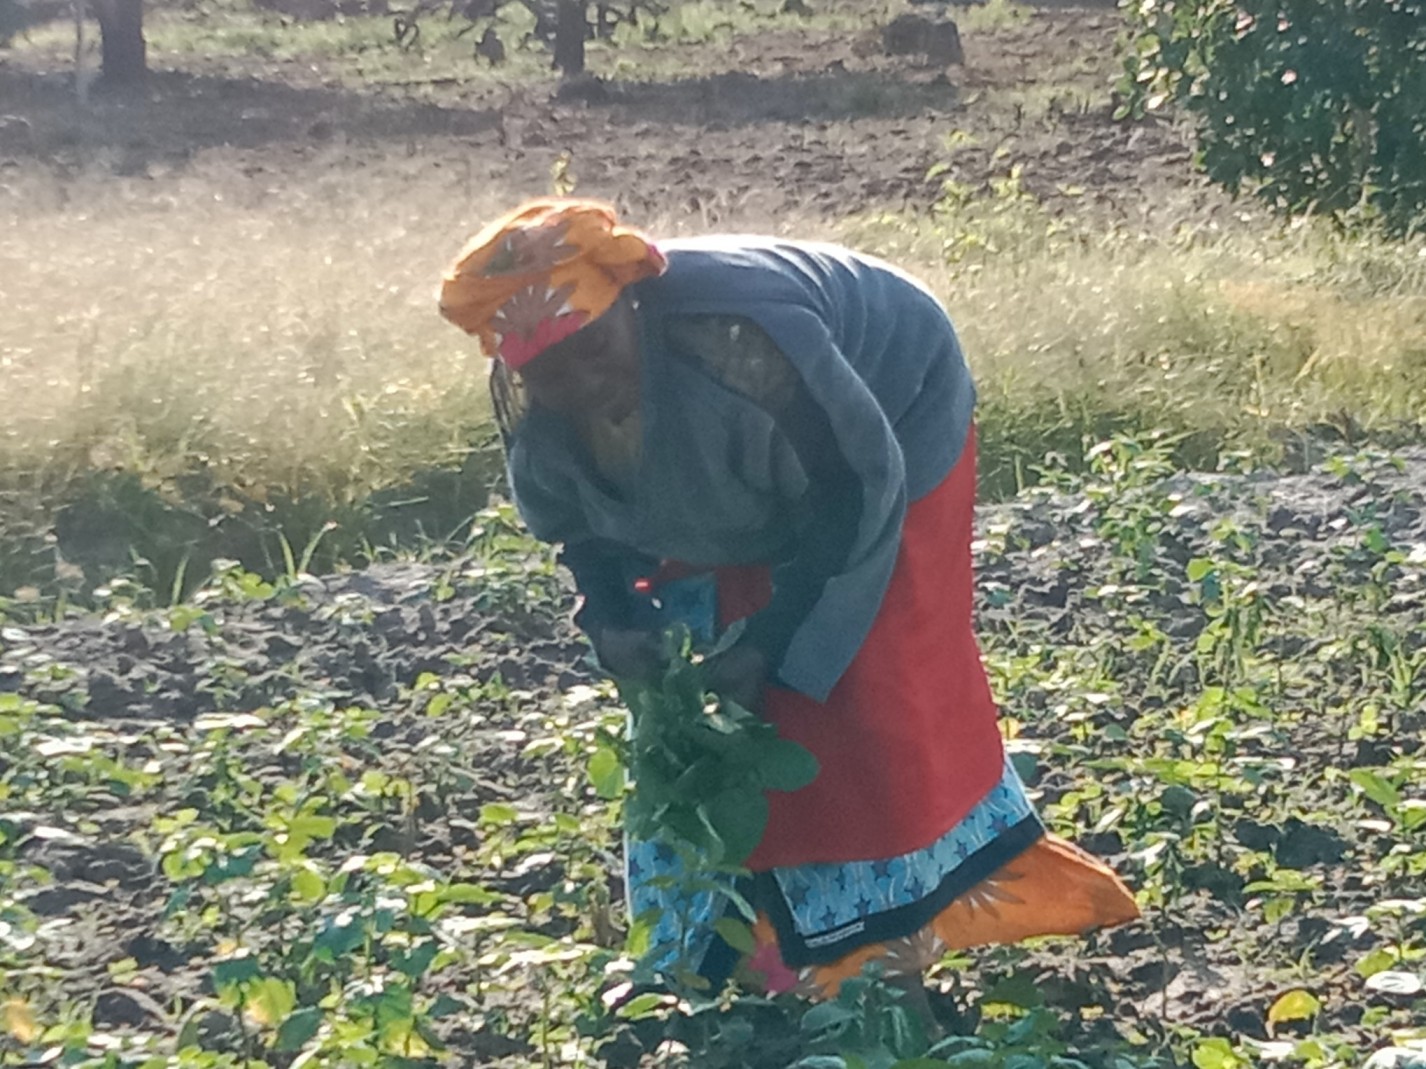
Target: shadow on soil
<point>734,98</point>
<point>182,112</point>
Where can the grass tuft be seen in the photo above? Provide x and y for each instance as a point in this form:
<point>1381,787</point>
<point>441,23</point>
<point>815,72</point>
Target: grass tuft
<point>221,363</point>
<point>1251,340</point>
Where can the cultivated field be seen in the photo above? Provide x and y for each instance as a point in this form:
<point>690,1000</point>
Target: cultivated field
<point>294,736</point>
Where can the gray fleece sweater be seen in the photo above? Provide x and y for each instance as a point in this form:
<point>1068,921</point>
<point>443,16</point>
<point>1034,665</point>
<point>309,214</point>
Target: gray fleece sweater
<point>795,397</point>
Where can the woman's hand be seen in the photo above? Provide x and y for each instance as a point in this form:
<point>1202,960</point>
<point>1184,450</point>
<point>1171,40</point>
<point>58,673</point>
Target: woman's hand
<point>628,653</point>
<point>740,675</point>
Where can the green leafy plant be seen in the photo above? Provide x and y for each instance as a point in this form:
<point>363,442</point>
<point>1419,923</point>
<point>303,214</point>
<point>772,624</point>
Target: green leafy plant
<point>701,765</point>
<point>1314,106</point>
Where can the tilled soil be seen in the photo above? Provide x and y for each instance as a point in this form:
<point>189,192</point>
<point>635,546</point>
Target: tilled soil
<point>1070,583</point>
<point>785,122</point>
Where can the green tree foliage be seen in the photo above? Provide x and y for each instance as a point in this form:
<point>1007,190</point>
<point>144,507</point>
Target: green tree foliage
<point>1315,105</point>
<point>562,25</point>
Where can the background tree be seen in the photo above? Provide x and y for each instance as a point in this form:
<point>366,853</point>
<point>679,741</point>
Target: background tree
<point>123,51</point>
<point>563,26</point>
<point>571,29</point>
<point>1314,105</point>
<point>12,20</point>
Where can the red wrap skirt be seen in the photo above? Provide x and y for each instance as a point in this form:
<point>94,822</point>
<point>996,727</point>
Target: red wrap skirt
<point>907,740</point>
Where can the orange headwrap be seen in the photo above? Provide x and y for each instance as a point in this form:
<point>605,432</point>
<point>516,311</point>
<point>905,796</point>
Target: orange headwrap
<point>538,274</point>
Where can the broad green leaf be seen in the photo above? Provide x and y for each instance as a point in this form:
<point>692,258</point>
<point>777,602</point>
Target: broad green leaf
<point>736,934</point>
<point>235,866</point>
<point>299,1027</point>
<point>445,1005</point>
<point>234,971</point>
<point>341,935</point>
<point>497,814</point>
<point>1295,1005</point>
<point>641,931</point>
<point>1018,989</point>
<point>606,773</point>
<point>393,1006</point>
<point>972,1059</point>
<point>1198,568</point>
<point>827,1015</point>
<point>739,819</point>
<point>270,1000</point>
<point>902,1033</point>
<point>311,826</point>
<point>645,1005</point>
<point>784,765</point>
<point>1216,1053</point>
<point>1376,961</point>
<point>308,884</point>
<point>415,962</point>
<point>178,901</point>
<point>473,894</point>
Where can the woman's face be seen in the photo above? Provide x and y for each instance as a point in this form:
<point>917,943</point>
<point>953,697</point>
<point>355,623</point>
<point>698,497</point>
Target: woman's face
<point>593,372</point>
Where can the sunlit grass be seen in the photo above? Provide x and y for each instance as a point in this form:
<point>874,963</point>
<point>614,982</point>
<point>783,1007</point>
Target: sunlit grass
<point>991,16</point>
<point>276,336</point>
<point>241,340</point>
<point>1242,340</point>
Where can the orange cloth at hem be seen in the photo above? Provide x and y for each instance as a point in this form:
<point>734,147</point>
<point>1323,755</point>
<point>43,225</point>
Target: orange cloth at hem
<point>1052,888</point>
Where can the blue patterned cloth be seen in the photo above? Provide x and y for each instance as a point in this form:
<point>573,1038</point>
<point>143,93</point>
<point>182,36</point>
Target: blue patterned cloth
<point>831,904</point>
<point>682,917</point>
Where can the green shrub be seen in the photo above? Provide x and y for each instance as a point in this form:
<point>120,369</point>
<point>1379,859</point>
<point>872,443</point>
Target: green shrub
<point>1315,105</point>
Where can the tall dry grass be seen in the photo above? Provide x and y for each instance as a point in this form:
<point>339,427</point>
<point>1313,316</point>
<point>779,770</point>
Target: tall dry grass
<point>1254,338</point>
<point>276,332</point>
<point>226,339</point>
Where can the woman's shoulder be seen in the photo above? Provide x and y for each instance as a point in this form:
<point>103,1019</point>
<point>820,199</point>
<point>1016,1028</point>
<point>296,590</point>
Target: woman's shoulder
<point>744,268</point>
<point>756,254</point>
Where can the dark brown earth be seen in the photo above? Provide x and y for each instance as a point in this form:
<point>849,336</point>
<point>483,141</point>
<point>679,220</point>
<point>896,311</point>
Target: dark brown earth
<point>1208,958</point>
<point>784,121</point>
<point>780,123</point>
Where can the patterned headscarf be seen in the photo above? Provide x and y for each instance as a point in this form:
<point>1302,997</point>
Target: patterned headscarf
<point>535,276</point>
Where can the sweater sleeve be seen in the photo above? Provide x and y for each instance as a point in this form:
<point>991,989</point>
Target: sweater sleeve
<point>827,592</point>
<point>857,493</point>
<point>830,510</point>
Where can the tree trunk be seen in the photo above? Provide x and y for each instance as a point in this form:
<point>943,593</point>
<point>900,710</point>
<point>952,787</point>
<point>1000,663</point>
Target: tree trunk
<point>121,40</point>
<point>569,38</point>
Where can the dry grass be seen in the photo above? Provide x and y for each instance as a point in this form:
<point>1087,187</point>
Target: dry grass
<point>1241,340</point>
<point>277,334</point>
<point>248,339</point>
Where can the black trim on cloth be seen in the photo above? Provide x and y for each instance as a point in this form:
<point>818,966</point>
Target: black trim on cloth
<point>720,959</point>
<point>897,923</point>
<point>507,400</point>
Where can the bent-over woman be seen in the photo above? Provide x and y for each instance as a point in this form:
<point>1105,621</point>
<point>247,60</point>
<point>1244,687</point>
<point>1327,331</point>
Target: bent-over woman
<point>781,433</point>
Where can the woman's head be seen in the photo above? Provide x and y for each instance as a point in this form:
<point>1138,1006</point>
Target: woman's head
<point>534,277</point>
